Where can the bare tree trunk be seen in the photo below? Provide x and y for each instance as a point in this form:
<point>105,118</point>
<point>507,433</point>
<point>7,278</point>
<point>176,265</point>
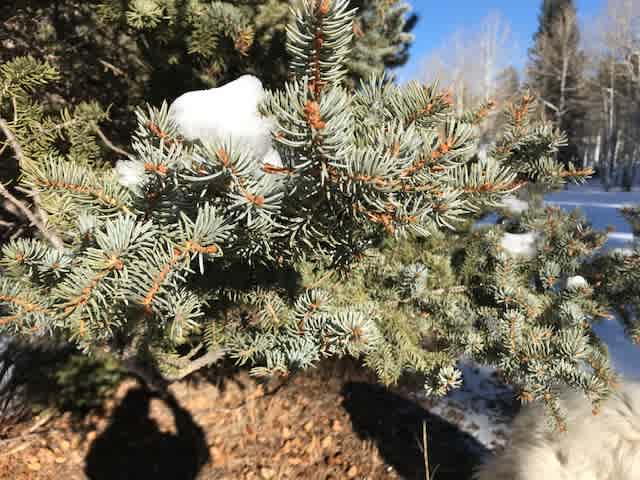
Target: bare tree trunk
<point>611,137</point>
<point>616,154</point>
<point>598,148</point>
<point>604,159</point>
<point>627,176</point>
<point>563,89</point>
<point>635,167</point>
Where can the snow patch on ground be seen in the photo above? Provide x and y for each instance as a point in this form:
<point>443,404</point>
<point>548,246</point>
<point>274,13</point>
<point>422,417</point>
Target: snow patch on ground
<point>625,355</point>
<point>600,207</point>
<point>483,407</point>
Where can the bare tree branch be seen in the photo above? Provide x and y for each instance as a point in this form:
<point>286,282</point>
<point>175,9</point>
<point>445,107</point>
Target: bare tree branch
<point>207,359</point>
<point>108,142</point>
<point>46,233</point>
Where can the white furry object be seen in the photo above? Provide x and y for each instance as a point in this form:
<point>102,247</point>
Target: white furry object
<point>520,244</point>
<point>605,446</point>
<point>229,112</point>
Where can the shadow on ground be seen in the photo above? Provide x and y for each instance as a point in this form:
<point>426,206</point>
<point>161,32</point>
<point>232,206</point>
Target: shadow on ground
<point>133,446</point>
<point>395,425</point>
<point>40,374</point>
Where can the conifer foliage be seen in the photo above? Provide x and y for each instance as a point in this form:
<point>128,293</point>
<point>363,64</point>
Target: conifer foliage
<point>125,53</point>
<point>191,251</point>
<point>224,38</point>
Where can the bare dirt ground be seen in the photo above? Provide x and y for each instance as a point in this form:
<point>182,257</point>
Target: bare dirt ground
<point>331,423</point>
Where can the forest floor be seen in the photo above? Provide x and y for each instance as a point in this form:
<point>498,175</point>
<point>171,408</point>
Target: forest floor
<point>334,422</point>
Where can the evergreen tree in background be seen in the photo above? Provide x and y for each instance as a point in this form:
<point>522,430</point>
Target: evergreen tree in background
<point>342,230</point>
<point>555,71</point>
<point>551,11</point>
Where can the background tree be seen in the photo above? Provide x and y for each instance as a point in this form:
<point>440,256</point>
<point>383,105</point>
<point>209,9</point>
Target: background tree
<point>556,68</point>
<point>470,62</point>
<point>612,92</point>
<point>473,65</point>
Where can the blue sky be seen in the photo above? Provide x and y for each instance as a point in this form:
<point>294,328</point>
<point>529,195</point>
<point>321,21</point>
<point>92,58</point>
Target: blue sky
<point>439,19</point>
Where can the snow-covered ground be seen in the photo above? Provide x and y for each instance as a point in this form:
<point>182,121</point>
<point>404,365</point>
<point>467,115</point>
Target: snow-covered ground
<point>483,407</point>
<point>601,208</point>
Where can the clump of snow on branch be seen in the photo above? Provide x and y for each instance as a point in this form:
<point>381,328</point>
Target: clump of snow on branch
<point>229,112</point>
<point>514,204</point>
<point>576,282</point>
<point>130,173</point>
<point>520,244</point>
<point>272,158</point>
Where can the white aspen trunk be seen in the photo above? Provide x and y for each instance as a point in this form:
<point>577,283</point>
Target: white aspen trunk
<point>604,159</point>
<point>598,148</point>
<point>563,88</point>
<point>611,134</point>
<point>616,154</point>
<point>635,176</point>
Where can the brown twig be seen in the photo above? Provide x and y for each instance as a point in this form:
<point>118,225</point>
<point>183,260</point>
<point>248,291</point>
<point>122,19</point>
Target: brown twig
<point>320,281</point>
<point>26,435</point>
<point>442,291</point>
<point>112,67</point>
<point>425,450</point>
<point>15,119</point>
<point>108,142</point>
<point>200,362</point>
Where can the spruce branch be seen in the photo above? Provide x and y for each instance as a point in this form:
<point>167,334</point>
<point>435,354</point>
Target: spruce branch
<point>319,41</point>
